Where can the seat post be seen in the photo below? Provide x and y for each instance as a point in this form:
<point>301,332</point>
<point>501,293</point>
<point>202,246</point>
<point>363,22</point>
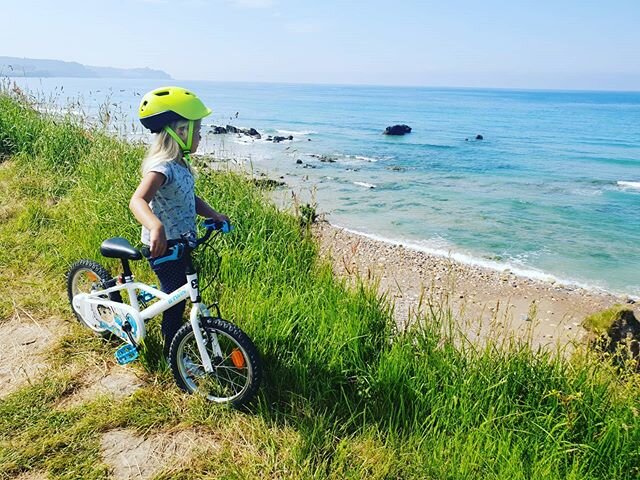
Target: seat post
<point>126,270</point>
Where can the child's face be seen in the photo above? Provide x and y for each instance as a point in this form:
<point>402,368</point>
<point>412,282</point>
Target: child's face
<point>196,136</point>
<point>184,131</point>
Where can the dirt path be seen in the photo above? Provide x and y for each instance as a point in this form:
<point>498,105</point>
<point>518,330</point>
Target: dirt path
<point>24,350</point>
<point>23,344</point>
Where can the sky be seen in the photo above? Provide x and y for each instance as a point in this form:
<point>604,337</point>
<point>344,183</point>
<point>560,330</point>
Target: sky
<point>561,44</point>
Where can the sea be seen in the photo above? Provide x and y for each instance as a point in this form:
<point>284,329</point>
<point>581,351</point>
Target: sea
<point>551,191</point>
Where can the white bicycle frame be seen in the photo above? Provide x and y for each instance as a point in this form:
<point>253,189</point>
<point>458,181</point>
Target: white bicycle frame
<point>165,302</point>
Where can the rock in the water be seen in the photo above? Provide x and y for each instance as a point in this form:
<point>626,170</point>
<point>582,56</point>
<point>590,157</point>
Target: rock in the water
<point>324,158</point>
<point>218,130</point>
<point>298,162</point>
<point>397,130</point>
<point>278,139</point>
<point>479,137</point>
<point>252,132</point>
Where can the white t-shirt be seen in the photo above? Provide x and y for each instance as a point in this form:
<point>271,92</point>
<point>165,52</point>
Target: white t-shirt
<point>174,203</point>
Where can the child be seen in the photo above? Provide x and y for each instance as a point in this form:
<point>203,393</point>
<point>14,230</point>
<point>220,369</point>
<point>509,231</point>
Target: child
<point>165,202</point>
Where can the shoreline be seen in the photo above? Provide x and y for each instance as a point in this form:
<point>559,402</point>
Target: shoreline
<point>304,191</point>
<point>482,301</point>
<point>485,300</point>
<point>529,273</point>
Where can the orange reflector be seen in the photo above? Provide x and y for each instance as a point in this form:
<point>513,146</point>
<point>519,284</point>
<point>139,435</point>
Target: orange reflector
<point>237,358</point>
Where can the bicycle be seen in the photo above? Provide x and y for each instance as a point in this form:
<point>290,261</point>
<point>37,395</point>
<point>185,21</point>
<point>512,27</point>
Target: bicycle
<point>208,355</point>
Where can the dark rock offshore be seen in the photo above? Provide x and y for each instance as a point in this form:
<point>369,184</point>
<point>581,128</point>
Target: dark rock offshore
<point>397,130</point>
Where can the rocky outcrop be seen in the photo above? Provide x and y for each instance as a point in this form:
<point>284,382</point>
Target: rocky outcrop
<point>323,158</point>
<point>218,130</point>
<point>618,334</point>
<point>278,139</point>
<point>252,132</point>
<point>397,130</point>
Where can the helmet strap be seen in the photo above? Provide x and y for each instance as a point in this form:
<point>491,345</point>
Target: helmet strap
<point>185,147</point>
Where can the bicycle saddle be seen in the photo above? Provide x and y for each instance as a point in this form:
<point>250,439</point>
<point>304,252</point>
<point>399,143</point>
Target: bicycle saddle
<point>118,247</point>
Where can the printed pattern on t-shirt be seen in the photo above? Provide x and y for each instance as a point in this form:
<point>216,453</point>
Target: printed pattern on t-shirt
<point>174,203</point>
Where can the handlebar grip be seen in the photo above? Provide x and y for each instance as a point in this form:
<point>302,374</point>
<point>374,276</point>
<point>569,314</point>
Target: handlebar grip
<point>224,226</point>
<point>173,252</point>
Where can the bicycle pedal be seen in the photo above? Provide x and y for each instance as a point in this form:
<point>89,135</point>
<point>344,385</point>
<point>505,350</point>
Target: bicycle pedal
<point>126,354</point>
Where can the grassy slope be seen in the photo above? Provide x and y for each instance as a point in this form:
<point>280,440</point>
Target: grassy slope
<point>340,400</point>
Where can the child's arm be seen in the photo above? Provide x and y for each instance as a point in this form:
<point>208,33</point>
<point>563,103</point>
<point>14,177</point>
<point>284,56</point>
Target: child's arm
<point>139,205</point>
<point>204,210</point>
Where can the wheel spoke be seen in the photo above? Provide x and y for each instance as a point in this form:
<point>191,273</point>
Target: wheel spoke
<point>229,380</point>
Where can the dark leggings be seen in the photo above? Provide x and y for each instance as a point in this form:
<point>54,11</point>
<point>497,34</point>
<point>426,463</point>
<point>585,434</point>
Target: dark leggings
<point>172,276</point>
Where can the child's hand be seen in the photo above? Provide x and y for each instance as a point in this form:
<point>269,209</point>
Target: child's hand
<point>221,217</point>
<point>158,241</point>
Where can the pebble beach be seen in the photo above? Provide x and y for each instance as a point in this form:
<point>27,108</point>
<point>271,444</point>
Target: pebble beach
<point>481,301</point>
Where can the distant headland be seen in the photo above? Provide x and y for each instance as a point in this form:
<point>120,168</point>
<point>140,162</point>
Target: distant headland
<point>31,67</point>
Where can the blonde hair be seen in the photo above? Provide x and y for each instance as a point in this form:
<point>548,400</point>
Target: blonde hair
<point>165,149</point>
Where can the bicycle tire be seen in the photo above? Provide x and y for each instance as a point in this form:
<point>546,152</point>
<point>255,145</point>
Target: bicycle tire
<point>74,276</point>
<point>219,385</point>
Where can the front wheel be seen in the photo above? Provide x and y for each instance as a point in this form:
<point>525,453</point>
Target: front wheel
<point>236,373</point>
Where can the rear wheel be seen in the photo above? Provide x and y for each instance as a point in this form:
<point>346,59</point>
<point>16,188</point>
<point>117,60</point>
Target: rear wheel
<point>236,373</point>
<point>87,276</point>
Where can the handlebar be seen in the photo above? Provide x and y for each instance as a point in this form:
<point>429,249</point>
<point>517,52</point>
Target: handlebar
<point>175,247</point>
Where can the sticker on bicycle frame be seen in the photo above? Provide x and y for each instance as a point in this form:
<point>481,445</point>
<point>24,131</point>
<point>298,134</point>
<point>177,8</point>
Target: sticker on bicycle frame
<point>114,319</point>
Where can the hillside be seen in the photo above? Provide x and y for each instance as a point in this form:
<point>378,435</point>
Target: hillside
<point>345,394</point>
<point>31,67</point>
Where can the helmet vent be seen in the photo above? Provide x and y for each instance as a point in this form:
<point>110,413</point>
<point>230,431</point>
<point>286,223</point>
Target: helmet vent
<point>162,94</point>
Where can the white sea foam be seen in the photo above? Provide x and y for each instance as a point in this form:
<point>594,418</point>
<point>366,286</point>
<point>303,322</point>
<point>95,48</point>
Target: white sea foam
<point>366,159</point>
<point>360,158</point>
<point>628,185</point>
<point>364,184</point>
<point>586,192</point>
<point>243,140</point>
<point>296,132</point>
<point>468,259</point>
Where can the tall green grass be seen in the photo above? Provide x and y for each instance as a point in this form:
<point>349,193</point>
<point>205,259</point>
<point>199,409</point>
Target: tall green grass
<point>345,395</point>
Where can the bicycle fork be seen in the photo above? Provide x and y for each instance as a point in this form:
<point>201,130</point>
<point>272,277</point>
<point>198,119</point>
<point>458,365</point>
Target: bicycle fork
<point>197,332</point>
<point>194,318</point>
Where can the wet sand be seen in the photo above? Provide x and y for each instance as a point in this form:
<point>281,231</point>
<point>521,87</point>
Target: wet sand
<point>482,301</point>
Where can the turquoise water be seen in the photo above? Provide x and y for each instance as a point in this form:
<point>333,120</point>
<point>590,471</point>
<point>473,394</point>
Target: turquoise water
<point>539,194</point>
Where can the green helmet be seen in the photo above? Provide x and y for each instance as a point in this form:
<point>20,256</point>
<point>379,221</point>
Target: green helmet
<point>164,105</point>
